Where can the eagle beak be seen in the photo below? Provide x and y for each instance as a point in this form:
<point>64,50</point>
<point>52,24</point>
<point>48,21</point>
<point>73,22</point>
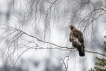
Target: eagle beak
<point>70,26</point>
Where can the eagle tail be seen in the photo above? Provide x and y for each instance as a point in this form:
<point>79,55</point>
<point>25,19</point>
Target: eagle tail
<point>81,52</point>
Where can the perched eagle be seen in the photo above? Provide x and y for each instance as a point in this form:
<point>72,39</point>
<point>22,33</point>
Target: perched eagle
<point>77,39</point>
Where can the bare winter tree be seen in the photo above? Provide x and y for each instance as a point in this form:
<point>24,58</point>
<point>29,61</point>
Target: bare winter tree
<point>36,25</point>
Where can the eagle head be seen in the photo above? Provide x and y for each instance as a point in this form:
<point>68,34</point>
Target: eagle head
<point>72,27</point>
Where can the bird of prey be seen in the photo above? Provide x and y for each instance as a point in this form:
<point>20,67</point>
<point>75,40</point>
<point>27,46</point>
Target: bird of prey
<point>77,39</point>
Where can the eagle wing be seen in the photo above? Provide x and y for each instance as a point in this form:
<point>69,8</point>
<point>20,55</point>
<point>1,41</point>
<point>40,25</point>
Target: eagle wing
<point>78,34</point>
<point>79,48</point>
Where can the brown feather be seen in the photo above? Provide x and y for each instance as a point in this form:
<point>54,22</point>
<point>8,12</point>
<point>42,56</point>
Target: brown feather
<point>79,48</point>
<point>78,34</point>
<point>76,37</point>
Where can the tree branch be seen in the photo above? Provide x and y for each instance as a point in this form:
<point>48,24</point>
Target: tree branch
<point>95,53</point>
<point>55,44</point>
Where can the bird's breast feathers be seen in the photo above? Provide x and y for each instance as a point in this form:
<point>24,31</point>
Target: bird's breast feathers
<point>77,41</point>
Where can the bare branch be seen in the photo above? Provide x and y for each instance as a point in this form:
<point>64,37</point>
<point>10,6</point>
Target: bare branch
<point>57,45</point>
<point>95,53</point>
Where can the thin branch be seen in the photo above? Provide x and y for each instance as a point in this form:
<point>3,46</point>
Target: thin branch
<point>95,53</point>
<point>56,45</point>
<point>40,40</point>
